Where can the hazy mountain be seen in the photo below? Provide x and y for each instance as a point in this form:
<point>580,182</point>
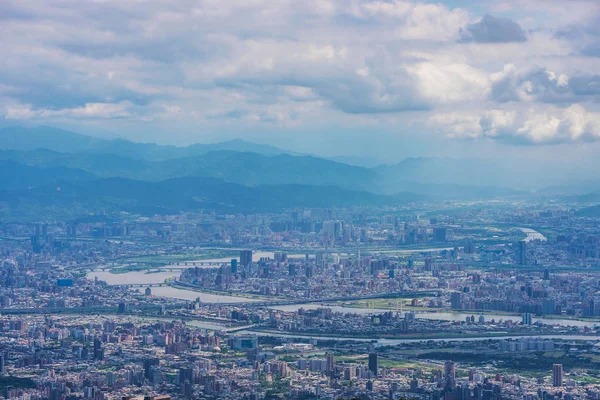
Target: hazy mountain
<point>178,195</point>
<point>102,165</point>
<point>255,169</point>
<point>575,188</point>
<point>591,212</point>
<point>238,167</point>
<point>18,176</point>
<point>471,172</point>
<point>455,191</point>
<point>252,164</point>
<point>590,197</point>
<point>19,138</point>
<point>357,161</point>
<point>523,174</point>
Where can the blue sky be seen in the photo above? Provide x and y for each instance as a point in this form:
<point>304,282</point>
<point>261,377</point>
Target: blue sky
<point>386,79</point>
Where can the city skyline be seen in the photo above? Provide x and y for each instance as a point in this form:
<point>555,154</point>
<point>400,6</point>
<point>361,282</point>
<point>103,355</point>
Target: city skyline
<point>299,200</point>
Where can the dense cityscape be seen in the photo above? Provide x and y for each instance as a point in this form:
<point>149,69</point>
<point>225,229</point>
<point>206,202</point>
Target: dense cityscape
<point>299,200</point>
<point>453,300</point>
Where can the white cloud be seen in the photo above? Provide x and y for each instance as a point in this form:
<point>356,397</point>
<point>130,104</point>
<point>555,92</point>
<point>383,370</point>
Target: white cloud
<point>450,83</point>
<point>268,62</point>
<point>88,111</point>
<point>541,125</point>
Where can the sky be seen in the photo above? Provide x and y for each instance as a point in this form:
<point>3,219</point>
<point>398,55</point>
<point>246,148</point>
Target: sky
<point>508,79</point>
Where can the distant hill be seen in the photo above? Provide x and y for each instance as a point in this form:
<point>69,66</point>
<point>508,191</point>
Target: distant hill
<point>585,198</point>
<point>590,212</point>
<point>251,164</point>
<point>254,169</point>
<point>245,168</point>
<point>18,176</point>
<point>455,191</point>
<point>357,161</point>
<point>77,198</point>
<point>19,138</point>
<point>467,172</point>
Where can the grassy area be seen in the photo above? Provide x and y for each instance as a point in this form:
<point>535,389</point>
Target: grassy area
<point>14,382</point>
<point>130,268</point>
<point>421,336</point>
<point>529,362</point>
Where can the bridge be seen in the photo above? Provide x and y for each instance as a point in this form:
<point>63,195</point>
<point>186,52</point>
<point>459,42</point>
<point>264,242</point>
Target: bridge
<point>190,264</point>
<point>139,285</point>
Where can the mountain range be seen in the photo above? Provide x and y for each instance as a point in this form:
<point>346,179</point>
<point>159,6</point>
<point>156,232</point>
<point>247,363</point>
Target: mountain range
<point>237,175</point>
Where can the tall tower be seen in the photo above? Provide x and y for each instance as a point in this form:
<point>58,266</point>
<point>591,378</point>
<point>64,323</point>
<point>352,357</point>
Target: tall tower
<point>449,370</point>
<point>330,364</point>
<point>245,257</point>
<point>373,363</point>
<point>557,375</point>
<point>523,252</point>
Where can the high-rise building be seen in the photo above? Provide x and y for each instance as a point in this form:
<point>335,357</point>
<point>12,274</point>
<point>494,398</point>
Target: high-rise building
<point>546,274</point>
<point>526,319</point>
<point>523,252</point>
<point>548,306</point>
<point>234,266</point>
<point>186,374</point>
<point>439,234</point>
<point>148,364</point>
<point>373,364</point>
<point>557,375</point>
<point>98,349</point>
<point>449,370</point>
<point>319,258</point>
<point>456,300</point>
<point>245,257</point>
<point>330,364</point>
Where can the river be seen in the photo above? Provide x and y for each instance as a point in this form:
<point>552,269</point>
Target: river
<point>143,278</point>
<point>133,277</point>
<point>443,316</point>
<point>392,342</point>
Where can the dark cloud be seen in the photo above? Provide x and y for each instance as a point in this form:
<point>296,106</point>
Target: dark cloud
<point>370,97</point>
<point>585,36</point>
<point>493,30</point>
<point>592,49</point>
<point>537,84</point>
<point>587,85</point>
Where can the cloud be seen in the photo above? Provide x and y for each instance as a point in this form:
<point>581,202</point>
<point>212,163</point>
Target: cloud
<point>493,30</point>
<point>549,125</point>
<point>88,111</point>
<point>584,34</point>
<point>539,84</point>
<point>536,84</point>
<point>586,85</point>
<point>208,62</point>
